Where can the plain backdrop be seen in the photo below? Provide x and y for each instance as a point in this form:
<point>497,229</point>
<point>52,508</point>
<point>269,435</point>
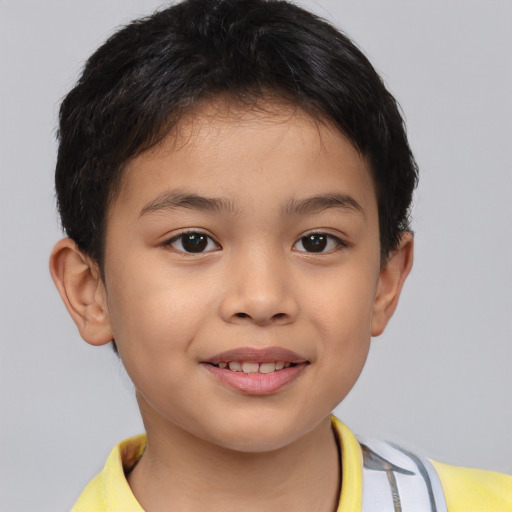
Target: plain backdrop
<point>439,380</point>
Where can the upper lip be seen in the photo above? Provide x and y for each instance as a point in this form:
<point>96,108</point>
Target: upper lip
<point>257,355</point>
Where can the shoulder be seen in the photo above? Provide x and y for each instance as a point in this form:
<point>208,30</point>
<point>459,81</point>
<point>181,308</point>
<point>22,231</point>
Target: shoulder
<point>92,497</point>
<point>467,489</point>
<point>393,478</point>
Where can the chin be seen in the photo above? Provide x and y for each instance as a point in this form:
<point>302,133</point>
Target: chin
<point>260,435</point>
<point>256,444</point>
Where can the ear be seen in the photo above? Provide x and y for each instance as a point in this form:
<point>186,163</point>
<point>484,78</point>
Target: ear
<point>81,288</point>
<point>391,279</point>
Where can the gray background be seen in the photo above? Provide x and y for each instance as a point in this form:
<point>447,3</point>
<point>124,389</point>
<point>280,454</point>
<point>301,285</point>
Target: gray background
<point>439,380</point>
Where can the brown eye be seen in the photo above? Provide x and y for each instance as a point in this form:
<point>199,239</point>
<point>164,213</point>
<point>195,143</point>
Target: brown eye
<point>193,243</point>
<point>314,243</point>
<point>317,242</point>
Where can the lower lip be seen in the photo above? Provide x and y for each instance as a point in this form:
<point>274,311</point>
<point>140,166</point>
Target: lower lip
<point>257,383</point>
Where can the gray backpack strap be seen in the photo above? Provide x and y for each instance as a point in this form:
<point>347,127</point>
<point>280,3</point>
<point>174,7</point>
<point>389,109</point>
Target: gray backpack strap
<point>395,480</point>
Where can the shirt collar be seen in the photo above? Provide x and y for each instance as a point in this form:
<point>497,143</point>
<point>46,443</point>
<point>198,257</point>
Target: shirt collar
<point>119,496</point>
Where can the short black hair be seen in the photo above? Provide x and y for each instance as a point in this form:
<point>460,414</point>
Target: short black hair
<point>138,85</point>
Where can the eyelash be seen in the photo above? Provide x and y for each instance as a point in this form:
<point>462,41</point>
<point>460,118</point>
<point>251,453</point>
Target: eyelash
<point>203,242</point>
<point>181,237</point>
<point>339,243</point>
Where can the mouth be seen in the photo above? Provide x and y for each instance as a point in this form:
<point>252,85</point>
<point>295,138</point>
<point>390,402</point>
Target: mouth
<point>254,367</point>
<point>256,371</point>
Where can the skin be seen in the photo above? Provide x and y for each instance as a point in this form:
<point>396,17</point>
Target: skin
<point>256,285</point>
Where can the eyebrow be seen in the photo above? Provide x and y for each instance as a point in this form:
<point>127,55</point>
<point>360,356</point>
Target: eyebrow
<point>316,204</point>
<point>169,201</point>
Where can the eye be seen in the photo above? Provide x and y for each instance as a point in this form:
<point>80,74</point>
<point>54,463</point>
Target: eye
<point>193,242</point>
<point>318,242</point>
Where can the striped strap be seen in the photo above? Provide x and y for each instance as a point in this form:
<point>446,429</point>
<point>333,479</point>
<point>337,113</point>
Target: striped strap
<point>395,480</point>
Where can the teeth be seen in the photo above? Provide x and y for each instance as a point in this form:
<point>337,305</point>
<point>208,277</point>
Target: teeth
<point>268,367</point>
<point>250,367</point>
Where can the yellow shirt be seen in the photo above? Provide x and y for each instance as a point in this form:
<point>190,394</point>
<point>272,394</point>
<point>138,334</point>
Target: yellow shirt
<point>465,490</point>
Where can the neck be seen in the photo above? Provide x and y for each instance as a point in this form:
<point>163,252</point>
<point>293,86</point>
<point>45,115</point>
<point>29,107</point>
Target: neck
<point>193,474</point>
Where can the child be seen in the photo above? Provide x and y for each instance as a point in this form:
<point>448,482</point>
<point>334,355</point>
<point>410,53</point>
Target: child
<point>235,182</point>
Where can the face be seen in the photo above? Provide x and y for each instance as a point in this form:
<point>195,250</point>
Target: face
<point>241,270</point>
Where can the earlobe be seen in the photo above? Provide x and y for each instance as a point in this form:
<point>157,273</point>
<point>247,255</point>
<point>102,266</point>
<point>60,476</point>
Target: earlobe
<point>81,288</point>
<point>391,280</point>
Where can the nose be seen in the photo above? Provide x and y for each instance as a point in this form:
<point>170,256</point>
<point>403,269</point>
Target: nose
<point>259,290</point>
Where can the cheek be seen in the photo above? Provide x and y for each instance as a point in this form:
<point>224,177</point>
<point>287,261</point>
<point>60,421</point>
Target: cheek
<point>154,309</point>
<point>346,335</point>
<point>342,307</point>
<point>341,312</point>
<point>154,327</point>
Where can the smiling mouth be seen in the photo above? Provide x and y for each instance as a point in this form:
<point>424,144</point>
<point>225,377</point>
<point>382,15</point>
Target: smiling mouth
<point>254,367</point>
<point>256,371</point>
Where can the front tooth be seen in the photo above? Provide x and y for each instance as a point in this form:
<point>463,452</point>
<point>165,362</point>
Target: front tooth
<point>279,365</point>
<point>235,366</point>
<point>267,367</point>
<point>250,367</point>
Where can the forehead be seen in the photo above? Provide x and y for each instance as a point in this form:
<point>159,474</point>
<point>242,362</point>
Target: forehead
<point>230,149</point>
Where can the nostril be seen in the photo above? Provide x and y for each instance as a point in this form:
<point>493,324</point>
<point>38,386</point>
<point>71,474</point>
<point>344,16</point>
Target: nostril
<point>242,315</point>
